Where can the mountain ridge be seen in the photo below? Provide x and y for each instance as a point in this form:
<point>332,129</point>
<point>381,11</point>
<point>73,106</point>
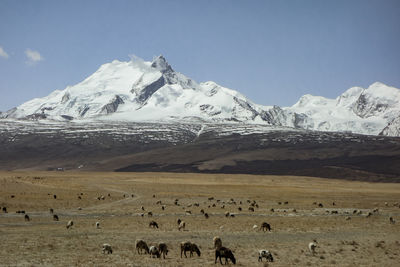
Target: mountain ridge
<point>138,90</point>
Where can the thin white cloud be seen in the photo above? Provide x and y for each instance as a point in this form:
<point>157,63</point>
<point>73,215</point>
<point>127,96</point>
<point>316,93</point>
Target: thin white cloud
<point>3,53</point>
<point>33,56</point>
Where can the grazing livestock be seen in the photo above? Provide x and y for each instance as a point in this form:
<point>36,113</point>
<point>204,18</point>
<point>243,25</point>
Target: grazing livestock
<point>55,196</point>
<point>107,248</point>
<point>153,224</point>
<point>226,253</point>
<point>217,242</point>
<point>391,220</point>
<point>251,209</point>
<point>150,214</point>
<point>141,245</point>
<point>265,226</point>
<point>4,209</point>
<point>312,246</point>
<point>162,247</point>
<point>227,214</point>
<point>153,251</point>
<point>188,246</point>
<point>55,217</point>
<point>206,215</point>
<point>70,224</point>
<point>51,211</point>
<point>265,254</point>
<point>27,218</point>
<point>182,225</point>
<point>179,221</point>
<point>320,205</point>
<point>97,225</point>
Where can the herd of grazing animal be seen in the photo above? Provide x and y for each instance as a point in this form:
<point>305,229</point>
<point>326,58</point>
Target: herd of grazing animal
<point>161,250</point>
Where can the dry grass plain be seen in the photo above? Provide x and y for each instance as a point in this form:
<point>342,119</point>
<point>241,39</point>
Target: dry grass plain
<point>358,241</point>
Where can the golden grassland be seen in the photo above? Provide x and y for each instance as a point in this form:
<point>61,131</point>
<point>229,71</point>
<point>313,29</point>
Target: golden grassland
<point>344,238</point>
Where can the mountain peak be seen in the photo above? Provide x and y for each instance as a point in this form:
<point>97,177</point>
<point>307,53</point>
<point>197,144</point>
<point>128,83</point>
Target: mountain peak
<point>161,64</point>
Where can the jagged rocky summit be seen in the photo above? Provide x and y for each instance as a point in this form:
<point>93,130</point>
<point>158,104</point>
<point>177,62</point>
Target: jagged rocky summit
<point>153,91</point>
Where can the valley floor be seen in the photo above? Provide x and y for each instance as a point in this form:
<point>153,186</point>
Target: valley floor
<point>344,238</point>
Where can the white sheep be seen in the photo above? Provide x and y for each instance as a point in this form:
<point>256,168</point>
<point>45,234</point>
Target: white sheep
<point>265,254</point>
<point>312,246</point>
<point>182,225</point>
<point>153,251</point>
<point>97,225</point>
<point>107,248</point>
<point>70,224</point>
<point>391,220</point>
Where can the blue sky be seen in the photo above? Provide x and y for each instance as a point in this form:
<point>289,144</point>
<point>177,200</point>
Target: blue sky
<point>271,51</point>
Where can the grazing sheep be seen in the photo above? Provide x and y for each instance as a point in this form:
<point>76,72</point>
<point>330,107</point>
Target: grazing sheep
<point>202,211</point>
<point>188,212</point>
<point>179,221</point>
<point>188,246</point>
<point>391,220</point>
<point>153,224</point>
<point>206,215</point>
<point>182,225</point>
<point>153,251</point>
<point>217,242</point>
<point>97,225</point>
<point>265,227</point>
<point>163,207</point>
<point>227,214</point>
<point>141,245</point>
<point>150,214</point>
<point>27,218</point>
<point>251,209</point>
<point>4,209</point>
<point>239,208</point>
<point>320,205</point>
<point>265,254</point>
<point>255,226</point>
<point>369,214</point>
<point>51,211</point>
<point>162,247</point>
<point>312,246</point>
<point>226,253</point>
<point>142,208</point>
<point>55,217</point>
<point>55,196</point>
<point>70,224</point>
<point>107,248</point>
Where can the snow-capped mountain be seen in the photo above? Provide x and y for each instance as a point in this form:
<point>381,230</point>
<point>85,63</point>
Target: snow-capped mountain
<point>152,91</point>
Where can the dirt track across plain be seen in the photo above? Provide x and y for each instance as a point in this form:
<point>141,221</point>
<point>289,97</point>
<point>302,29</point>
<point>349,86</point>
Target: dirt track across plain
<point>344,238</point>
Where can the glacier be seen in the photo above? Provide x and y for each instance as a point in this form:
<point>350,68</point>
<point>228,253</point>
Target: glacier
<point>152,91</point>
